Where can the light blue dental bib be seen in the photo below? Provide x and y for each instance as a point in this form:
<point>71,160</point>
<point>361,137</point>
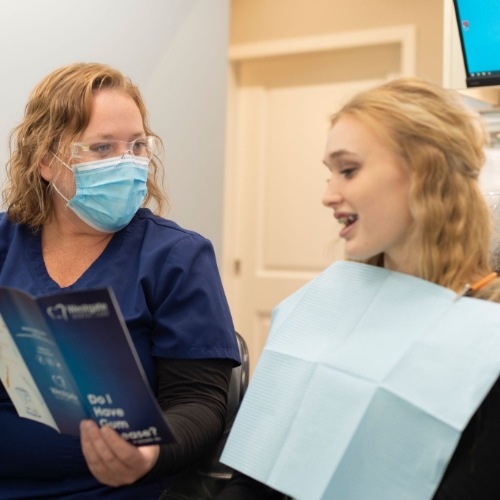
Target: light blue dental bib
<point>364,387</point>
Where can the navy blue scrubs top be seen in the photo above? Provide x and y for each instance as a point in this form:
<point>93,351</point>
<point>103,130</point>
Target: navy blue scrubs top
<point>167,284</point>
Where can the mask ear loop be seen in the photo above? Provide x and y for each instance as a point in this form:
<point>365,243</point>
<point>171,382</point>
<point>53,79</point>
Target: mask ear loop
<point>52,181</point>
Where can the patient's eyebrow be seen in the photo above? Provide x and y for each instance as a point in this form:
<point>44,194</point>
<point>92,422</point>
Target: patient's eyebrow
<point>334,155</point>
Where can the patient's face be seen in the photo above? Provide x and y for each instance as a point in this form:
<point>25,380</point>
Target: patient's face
<point>368,191</point>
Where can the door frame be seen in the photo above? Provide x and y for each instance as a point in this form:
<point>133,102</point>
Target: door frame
<point>403,35</point>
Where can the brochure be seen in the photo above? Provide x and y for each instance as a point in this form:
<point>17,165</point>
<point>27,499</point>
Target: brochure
<point>68,357</point>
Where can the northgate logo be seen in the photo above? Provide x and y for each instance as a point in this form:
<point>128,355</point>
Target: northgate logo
<point>66,312</point>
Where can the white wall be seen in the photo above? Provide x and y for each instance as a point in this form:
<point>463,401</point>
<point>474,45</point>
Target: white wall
<point>453,61</point>
<point>174,50</point>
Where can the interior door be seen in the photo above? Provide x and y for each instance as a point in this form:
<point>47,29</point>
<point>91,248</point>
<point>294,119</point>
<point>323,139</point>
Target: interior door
<point>278,235</point>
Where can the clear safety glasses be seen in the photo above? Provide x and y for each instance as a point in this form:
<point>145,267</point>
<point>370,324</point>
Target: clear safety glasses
<point>144,147</point>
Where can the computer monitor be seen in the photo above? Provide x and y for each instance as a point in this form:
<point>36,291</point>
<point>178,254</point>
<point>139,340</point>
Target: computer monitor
<point>479,29</point>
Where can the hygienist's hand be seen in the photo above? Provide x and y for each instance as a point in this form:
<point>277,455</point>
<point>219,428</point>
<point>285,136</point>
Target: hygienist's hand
<point>111,459</point>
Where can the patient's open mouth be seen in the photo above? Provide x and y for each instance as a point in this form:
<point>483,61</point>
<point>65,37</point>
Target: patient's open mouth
<point>347,220</point>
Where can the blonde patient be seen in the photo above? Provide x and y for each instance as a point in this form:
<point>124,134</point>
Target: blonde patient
<point>403,161</point>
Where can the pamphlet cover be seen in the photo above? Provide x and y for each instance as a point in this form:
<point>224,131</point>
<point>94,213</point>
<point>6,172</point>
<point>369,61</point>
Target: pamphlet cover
<point>68,357</point>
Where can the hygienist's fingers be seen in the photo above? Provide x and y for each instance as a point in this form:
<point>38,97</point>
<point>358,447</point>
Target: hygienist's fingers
<point>111,459</point>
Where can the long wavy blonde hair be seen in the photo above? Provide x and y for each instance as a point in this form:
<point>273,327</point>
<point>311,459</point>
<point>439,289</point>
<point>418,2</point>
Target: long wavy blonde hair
<point>442,142</point>
<point>59,108</point>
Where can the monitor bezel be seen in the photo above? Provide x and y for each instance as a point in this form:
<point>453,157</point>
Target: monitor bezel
<point>471,79</point>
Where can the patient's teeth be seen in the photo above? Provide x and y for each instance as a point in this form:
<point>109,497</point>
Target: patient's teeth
<point>348,219</point>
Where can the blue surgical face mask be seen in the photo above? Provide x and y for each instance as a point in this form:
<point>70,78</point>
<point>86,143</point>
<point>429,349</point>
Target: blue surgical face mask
<point>108,192</point>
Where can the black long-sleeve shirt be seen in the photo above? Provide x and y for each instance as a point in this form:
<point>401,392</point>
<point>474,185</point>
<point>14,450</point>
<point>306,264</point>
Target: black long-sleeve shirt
<point>193,395</point>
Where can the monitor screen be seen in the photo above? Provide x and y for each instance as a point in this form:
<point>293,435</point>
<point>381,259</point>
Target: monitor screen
<point>479,29</point>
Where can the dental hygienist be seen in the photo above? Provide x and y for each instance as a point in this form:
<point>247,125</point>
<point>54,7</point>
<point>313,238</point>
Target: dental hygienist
<point>83,168</point>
